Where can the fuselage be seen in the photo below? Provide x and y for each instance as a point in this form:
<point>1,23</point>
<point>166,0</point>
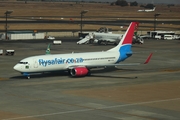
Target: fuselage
<point>108,36</point>
<point>56,62</point>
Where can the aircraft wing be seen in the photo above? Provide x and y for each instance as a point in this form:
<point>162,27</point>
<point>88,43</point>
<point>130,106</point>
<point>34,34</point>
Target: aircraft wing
<point>111,65</point>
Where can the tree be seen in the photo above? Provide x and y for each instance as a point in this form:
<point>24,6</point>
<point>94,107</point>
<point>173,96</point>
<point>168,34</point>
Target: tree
<point>113,3</point>
<point>149,6</point>
<point>169,5</point>
<point>121,3</point>
<point>133,3</point>
<point>142,6</point>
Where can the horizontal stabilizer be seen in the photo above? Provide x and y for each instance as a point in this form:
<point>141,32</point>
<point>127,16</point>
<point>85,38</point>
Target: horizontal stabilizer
<point>129,53</point>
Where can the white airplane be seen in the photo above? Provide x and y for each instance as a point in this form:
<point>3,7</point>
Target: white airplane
<point>147,10</point>
<point>79,64</point>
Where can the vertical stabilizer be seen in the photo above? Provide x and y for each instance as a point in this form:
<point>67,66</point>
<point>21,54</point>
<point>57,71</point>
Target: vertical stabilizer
<point>127,37</point>
<point>124,46</point>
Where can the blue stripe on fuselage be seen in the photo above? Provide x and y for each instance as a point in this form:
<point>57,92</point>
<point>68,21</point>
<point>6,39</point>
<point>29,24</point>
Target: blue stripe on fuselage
<point>125,52</point>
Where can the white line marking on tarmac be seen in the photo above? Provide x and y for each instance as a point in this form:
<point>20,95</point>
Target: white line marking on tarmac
<point>91,109</point>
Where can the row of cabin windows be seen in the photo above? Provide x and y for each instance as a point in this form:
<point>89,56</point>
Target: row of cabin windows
<point>99,58</point>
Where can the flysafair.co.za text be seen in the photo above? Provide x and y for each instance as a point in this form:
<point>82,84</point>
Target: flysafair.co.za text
<point>43,62</point>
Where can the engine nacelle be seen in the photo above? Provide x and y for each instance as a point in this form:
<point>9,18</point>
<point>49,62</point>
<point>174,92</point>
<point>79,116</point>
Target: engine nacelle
<point>79,71</point>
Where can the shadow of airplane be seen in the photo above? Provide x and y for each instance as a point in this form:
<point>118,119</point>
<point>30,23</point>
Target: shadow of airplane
<point>107,76</point>
<point>110,69</point>
<point>43,75</point>
<point>65,73</point>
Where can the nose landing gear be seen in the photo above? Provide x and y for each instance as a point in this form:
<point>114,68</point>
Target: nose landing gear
<point>26,75</point>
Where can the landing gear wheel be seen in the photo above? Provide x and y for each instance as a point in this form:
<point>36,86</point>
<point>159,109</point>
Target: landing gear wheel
<point>105,43</point>
<point>28,77</point>
<point>90,41</point>
<point>89,73</point>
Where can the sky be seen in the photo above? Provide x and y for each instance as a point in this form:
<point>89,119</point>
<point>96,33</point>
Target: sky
<point>144,1</point>
<point>156,1</point>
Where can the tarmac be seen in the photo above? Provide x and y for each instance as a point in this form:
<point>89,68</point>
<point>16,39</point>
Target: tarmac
<point>145,92</point>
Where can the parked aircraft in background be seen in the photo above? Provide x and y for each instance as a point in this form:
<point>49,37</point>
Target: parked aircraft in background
<point>79,64</point>
<point>106,38</point>
<point>147,10</point>
<point>99,38</point>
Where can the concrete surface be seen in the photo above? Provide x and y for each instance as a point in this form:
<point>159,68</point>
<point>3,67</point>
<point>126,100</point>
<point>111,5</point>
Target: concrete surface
<point>146,92</point>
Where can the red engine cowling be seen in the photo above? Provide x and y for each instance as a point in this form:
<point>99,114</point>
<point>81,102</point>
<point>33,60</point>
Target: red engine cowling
<point>79,71</point>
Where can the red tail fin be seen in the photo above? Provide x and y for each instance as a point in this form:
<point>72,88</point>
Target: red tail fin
<point>127,38</point>
<point>130,33</point>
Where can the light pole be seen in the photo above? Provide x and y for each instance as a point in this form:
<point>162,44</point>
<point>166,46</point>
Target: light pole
<point>8,12</point>
<point>155,16</point>
<point>82,14</point>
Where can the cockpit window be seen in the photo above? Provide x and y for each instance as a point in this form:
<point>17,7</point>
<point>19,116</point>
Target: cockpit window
<point>23,62</point>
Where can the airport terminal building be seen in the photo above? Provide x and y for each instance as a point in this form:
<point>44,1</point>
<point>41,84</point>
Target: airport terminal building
<point>22,35</point>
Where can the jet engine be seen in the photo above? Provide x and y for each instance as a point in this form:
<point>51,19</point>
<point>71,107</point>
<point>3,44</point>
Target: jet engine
<point>79,71</point>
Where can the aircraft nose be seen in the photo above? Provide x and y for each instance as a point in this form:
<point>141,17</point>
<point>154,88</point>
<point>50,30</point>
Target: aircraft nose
<point>16,67</point>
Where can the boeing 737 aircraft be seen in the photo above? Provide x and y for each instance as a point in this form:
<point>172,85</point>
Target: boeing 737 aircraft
<point>79,64</point>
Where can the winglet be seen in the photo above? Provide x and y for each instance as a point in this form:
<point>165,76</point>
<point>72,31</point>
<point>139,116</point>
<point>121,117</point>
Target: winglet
<point>148,59</point>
